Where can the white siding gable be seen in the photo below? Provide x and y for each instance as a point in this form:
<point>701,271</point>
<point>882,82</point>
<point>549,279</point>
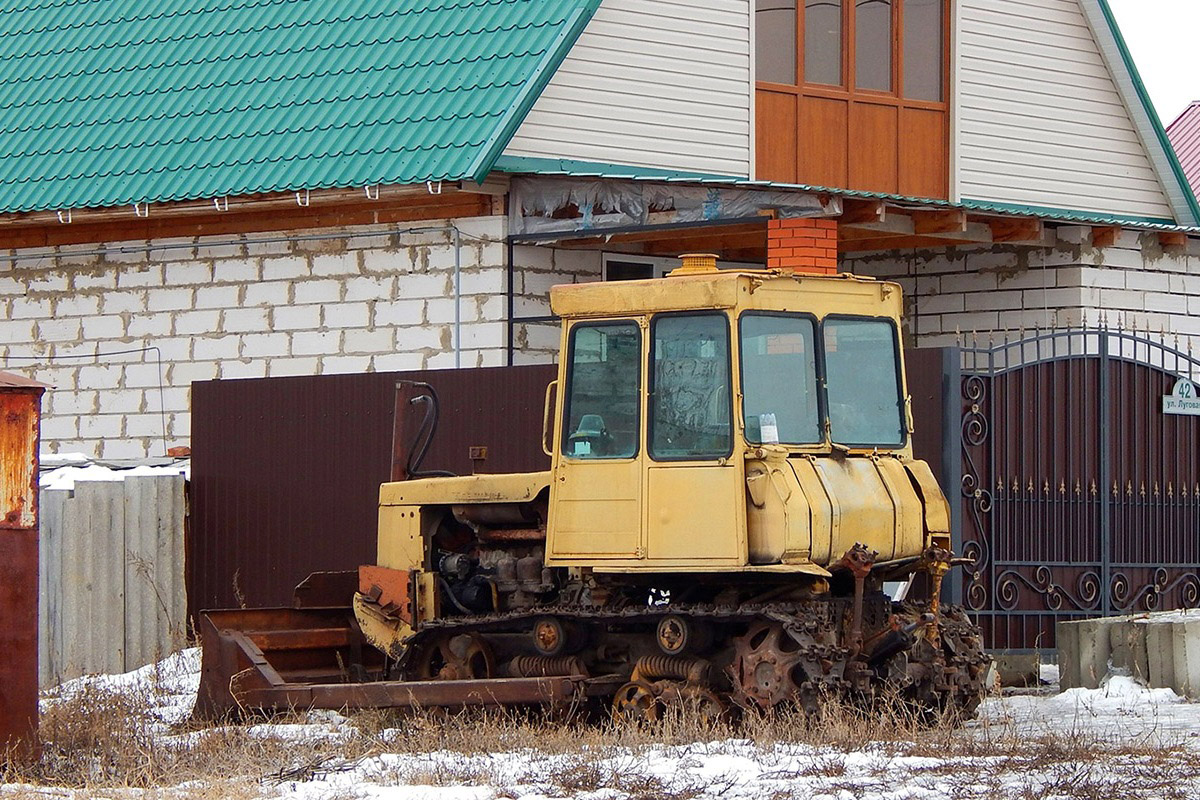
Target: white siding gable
<point>661,83</point>
<point>1040,120</point>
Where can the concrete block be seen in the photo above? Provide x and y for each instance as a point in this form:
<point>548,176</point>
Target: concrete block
<point>59,330</point>
<point>1160,655</point>
<point>282,367</point>
<point>399,312</point>
<point>269,293</point>
<point>343,365</point>
<point>249,320</point>
<point>77,305</point>
<point>318,291</point>
<point>387,261</point>
<point>533,257</point>
<point>99,376</point>
<point>183,374</point>
<point>381,340</point>
<point>275,269</point>
<point>217,297</point>
<point>1186,645</point>
<point>149,275</point>
<point>1066,636</point>
<point>185,273</point>
<point>27,308</point>
<point>133,302</point>
<point>243,369</point>
<point>101,426</point>
<point>143,325</point>
<point>1127,645</point>
<point>346,315</point>
<point>143,375</point>
<point>149,425</point>
<point>48,282</point>
<point>218,348</point>
<point>291,318</point>
<point>237,270</point>
<point>219,251</point>
<point>336,264</point>
<point>1146,281</point>
<point>265,345</point>
<point>398,362</point>
<point>375,287</point>
<point>437,284</point>
<point>1094,652</point>
<point>197,322</point>
<point>313,343</point>
<point>168,299</point>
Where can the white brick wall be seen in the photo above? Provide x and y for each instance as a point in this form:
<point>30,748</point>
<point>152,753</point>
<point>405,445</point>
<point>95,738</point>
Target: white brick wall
<point>376,300</point>
<point>967,291</point>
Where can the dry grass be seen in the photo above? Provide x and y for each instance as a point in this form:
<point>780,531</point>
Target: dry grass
<point>101,741</point>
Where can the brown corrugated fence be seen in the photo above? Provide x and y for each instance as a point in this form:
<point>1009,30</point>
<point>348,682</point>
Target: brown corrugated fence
<point>286,471</point>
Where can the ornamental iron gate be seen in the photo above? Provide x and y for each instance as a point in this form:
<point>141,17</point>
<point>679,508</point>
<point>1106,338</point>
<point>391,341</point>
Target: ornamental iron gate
<point>1081,497</point>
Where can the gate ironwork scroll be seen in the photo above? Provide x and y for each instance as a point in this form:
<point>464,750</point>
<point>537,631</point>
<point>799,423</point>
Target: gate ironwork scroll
<point>1081,497</point>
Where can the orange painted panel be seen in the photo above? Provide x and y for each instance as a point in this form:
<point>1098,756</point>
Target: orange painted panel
<point>873,150</point>
<point>775,136</point>
<point>823,141</point>
<point>924,154</point>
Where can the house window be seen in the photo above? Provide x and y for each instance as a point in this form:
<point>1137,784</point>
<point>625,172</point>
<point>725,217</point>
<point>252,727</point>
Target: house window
<point>823,42</point>
<point>776,40</point>
<point>861,101</point>
<point>879,54</point>
<point>873,44</point>
<point>923,50</point>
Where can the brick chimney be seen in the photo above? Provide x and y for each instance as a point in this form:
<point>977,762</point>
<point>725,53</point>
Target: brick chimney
<point>803,245</point>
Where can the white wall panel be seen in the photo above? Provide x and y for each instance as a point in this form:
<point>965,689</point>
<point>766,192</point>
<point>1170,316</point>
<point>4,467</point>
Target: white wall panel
<point>662,84</point>
<point>1040,119</point>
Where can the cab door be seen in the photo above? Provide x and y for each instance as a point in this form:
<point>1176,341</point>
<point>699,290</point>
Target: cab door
<point>695,510</point>
<point>596,501</point>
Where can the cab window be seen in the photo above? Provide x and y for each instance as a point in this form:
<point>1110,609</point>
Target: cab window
<point>862,378</point>
<point>691,417</point>
<point>779,379</point>
<point>602,391</point>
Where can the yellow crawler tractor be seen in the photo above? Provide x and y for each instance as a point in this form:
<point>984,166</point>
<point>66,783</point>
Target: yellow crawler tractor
<point>732,484</point>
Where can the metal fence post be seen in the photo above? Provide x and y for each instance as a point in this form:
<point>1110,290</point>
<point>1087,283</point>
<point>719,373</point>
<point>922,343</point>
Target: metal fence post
<point>1105,470</point>
<point>952,455</point>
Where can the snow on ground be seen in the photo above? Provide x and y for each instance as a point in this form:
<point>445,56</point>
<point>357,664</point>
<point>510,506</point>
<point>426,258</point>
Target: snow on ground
<point>1122,712</point>
<point>62,470</point>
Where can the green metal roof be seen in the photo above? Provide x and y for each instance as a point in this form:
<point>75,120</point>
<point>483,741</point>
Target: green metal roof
<point>110,102</point>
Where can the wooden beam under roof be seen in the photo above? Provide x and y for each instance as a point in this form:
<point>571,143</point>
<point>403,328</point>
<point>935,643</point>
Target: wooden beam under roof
<point>1105,235</point>
<point>862,212</point>
<point>952,220</point>
<point>1017,230</point>
<point>1172,239</point>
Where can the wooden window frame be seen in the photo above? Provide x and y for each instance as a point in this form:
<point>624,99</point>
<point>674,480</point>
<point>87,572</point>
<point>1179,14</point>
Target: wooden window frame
<point>848,90</point>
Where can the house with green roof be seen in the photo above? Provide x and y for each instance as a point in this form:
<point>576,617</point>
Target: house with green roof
<point>253,188</point>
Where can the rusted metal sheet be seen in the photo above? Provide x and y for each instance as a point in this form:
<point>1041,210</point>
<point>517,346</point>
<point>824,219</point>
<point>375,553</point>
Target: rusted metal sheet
<point>20,414</point>
<point>285,659</point>
<point>286,471</point>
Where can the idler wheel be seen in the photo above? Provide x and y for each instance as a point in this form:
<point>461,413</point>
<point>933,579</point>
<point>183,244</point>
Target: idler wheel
<point>455,658</point>
<point>549,636</point>
<point>677,635</point>
<point>765,666</point>
<point>697,702</point>
<point>636,702</point>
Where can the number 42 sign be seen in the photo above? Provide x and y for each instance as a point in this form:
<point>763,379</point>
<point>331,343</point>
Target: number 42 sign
<point>1182,399</point>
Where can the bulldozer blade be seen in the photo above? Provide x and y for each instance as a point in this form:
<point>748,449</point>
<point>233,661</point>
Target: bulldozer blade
<point>284,659</point>
<point>249,650</point>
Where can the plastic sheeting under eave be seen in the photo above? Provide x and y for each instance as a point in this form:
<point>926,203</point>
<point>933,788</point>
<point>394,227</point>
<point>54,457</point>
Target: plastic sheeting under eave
<point>611,204</point>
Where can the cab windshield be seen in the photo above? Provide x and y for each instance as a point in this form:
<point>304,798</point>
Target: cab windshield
<point>862,381</point>
<point>785,355</point>
<point>779,379</point>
